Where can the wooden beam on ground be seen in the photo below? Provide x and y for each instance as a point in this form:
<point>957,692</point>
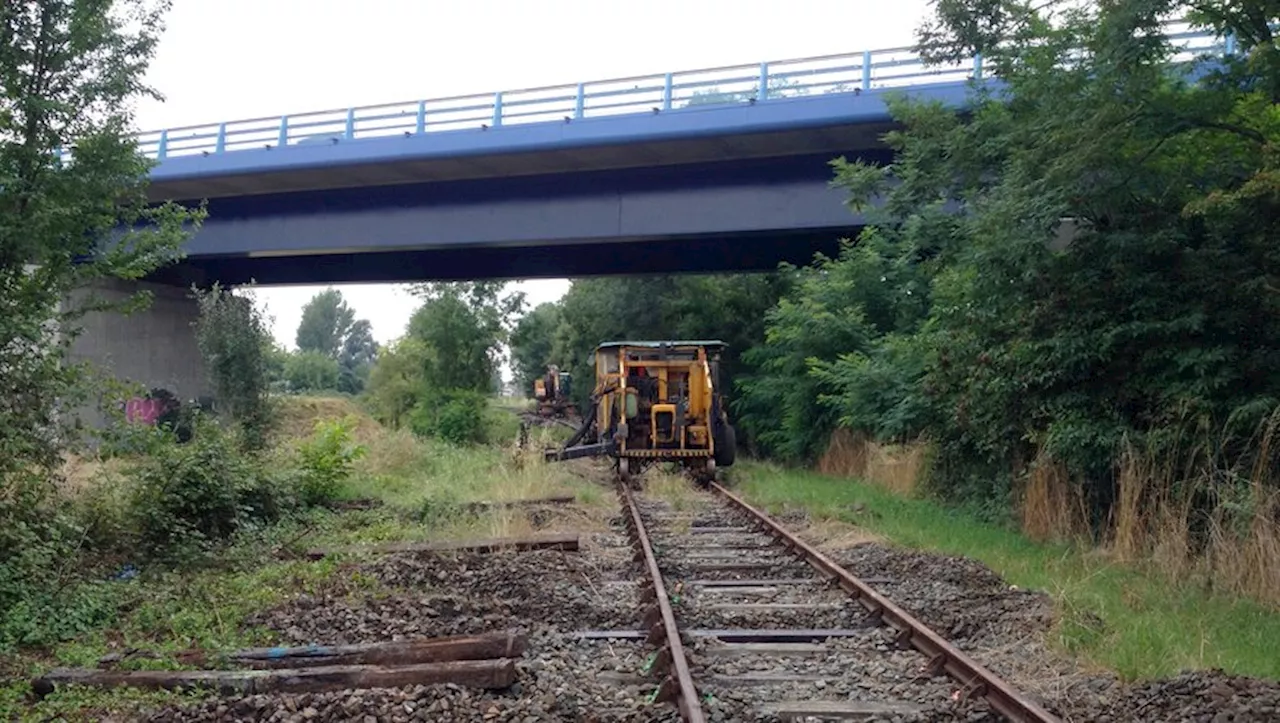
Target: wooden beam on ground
<point>486,505</point>
<point>430,650</point>
<point>841,709</point>
<point>551,541</point>
<point>732,636</point>
<point>490,674</point>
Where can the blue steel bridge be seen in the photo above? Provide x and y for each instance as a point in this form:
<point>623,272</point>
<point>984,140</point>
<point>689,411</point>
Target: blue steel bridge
<point>714,169</point>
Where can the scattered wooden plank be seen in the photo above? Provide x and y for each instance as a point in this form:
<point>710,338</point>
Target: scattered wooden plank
<point>735,650</point>
<point>431,650</point>
<point>549,541</point>
<point>721,566</point>
<point>759,677</point>
<point>801,635</point>
<point>490,674</point>
<point>487,505</point>
<point>729,553</point>
<point>836,709</point>
<point>773,607</point>
<point>756,582</point>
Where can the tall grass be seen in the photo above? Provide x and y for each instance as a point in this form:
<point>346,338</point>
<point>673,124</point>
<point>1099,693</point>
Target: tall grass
<point>1128,618</point>
<point>1181,510</point>
<point>898,468</point>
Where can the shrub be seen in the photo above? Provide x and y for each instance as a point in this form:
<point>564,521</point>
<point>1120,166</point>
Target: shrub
<point>235,344</point>
<point>190,497</point>
<point>326,460</point>
<point>455,415</point>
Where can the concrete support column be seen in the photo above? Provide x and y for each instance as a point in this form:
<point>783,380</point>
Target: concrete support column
<point>155,347</point>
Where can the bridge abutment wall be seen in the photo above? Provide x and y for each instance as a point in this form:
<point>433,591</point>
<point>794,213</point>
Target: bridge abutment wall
<point>154,346</point>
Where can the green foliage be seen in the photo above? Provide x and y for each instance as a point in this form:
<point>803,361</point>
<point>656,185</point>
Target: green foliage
<point>461,327</point>
<point>326,321</point>
<point>234,341</point>
<point>836,313</point>
<point>532,343</point>
<point>326,461</point>
<point>193,497</point>
<point>1110,274</point>
<point>1135,622</point>
<point>453,415</point>
<point>311,371</point>
<point>329,330</point>
<point>396,380</point>
<point>726,307</point>
<point>69,76</point>
<point>359,352</point>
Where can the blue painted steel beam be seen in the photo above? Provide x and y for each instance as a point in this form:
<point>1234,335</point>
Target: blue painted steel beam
<point>688,254</point>
<point>780,195</point>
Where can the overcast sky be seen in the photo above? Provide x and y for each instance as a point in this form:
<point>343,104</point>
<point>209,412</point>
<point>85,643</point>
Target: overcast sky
<point>231,59</point>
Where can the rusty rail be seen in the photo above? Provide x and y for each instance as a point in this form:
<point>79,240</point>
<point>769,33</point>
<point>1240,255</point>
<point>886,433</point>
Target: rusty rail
<point>660,621</point>
<point>943,656</point>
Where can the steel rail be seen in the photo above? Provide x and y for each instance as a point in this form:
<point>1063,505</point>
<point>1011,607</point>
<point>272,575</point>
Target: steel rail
<point>943,656</point>
<point>680,687</point>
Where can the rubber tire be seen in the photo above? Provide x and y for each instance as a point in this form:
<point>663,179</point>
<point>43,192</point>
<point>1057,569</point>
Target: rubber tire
<point>726,446</point>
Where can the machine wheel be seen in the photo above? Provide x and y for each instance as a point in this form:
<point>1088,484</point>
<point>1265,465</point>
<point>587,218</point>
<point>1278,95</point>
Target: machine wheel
<point>726,446</point>
<point>627,475</point>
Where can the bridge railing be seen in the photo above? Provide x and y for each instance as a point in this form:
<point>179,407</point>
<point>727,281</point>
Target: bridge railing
<point>763,82</point>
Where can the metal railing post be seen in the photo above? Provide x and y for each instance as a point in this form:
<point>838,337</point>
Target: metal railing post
<point>351,124</point>
<point>666,91</point>
<point>580,102</point>
<point>283,140</point>
<point>763,92</point>
<point>420,126</point>
<point>497,109</point>
<point>220,144</point>
<point>866,70</point>
<point>163,149</point>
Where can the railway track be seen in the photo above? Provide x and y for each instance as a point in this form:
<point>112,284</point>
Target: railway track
<point>748,622</point>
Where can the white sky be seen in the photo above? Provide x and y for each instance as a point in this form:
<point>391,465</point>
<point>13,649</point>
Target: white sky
<point>232,59</point>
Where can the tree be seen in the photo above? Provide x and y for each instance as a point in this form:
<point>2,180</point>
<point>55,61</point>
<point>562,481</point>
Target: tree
<point>359,351</point>
<point>1160,309</point>
<point>326,321</point>
<point>532,342</point>
<point>311,371</point>
<point>395,381</point>
<point>463,325</point>
<point>726,307</point>
<point>234,340</point>
<point>70,72</point>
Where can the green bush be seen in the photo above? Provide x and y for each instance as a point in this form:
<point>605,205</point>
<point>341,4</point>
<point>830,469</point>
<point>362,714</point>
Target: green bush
<point>455,415</point>
<point>193,496</point>
<point>311,371</point>
<point>326,460</point>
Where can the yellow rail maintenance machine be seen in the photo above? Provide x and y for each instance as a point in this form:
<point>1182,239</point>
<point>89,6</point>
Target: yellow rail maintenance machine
<point>656,401</point>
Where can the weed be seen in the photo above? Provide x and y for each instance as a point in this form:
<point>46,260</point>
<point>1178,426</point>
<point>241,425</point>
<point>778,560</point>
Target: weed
<point>1134,620</point>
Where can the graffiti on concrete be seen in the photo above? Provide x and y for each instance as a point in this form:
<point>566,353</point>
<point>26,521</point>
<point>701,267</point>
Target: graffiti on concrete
<point>158,404</point>
<point>143,410</point>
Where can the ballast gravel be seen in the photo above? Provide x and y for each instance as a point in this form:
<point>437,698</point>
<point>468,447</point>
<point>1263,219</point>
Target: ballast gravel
<point>548,594</point>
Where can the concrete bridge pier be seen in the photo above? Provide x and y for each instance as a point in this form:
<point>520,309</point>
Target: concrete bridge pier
<point>154,346</point>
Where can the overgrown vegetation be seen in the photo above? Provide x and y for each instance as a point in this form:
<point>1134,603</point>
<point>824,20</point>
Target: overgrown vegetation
<point>1102,313</point>
<point>1129,620</point>
<point>57,217</point>
<point>1065,298</point>
<point>436,379</point>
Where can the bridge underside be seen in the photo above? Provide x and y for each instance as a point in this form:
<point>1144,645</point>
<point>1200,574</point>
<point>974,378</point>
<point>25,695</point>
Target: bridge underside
<point>740,215</point>
<point>689,254</point>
